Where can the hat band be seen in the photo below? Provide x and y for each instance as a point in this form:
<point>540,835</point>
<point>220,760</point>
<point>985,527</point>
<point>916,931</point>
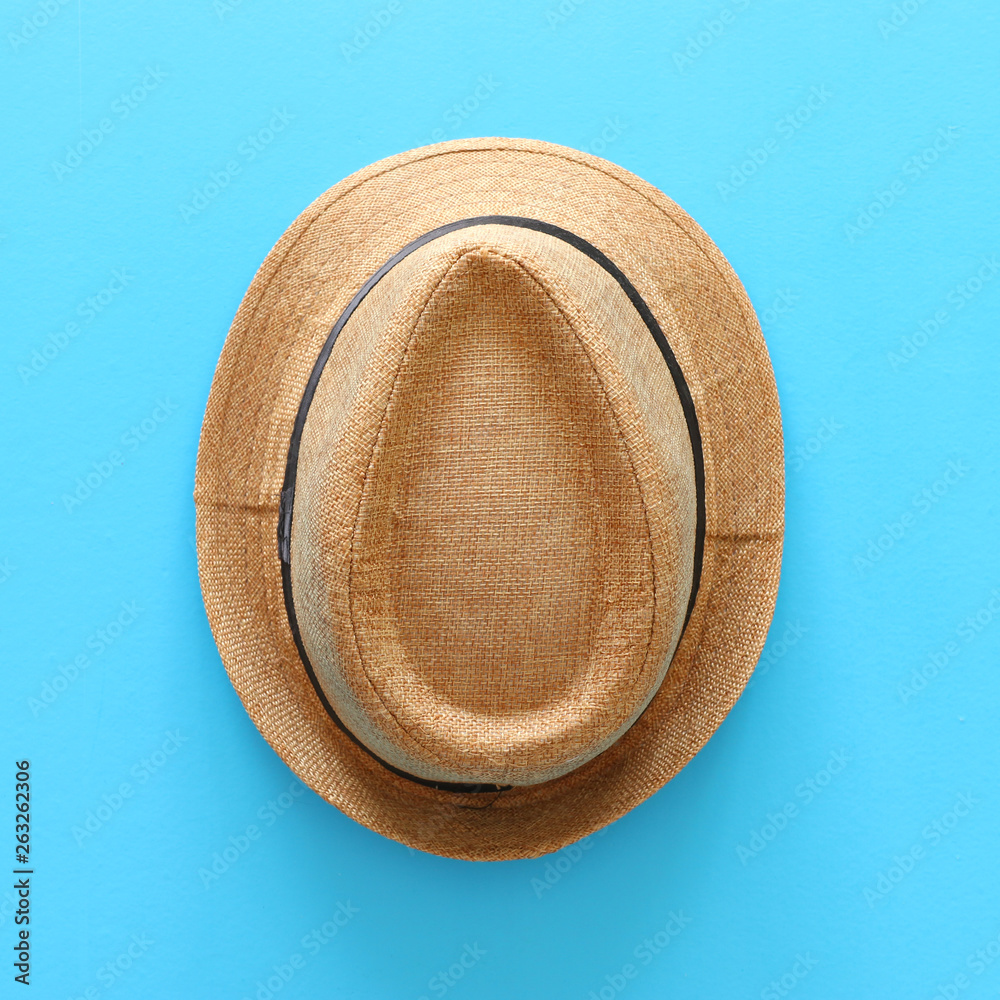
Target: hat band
<point>288,487</point>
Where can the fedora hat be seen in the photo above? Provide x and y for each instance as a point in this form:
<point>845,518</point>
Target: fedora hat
<point>490,495</point>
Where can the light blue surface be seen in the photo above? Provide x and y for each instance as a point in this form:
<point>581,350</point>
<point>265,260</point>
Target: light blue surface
<point>877,417</point>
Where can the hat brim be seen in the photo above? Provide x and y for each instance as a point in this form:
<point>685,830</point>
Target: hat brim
<point>304,284</point>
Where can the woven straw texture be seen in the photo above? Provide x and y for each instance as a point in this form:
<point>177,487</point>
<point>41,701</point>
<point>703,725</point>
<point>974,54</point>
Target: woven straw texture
<point>493,537</point>
<point>491,545</point>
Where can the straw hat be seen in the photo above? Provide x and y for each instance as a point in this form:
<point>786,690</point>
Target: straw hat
<point>490,495</point>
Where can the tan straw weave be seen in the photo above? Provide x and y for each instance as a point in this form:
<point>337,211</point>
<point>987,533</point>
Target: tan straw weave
<point>476,637</point>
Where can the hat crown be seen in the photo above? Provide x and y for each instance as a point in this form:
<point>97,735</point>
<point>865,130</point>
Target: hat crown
<point>493,537</point>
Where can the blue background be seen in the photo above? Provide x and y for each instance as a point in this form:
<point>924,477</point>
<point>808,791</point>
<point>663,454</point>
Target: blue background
<point>872,656</point>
